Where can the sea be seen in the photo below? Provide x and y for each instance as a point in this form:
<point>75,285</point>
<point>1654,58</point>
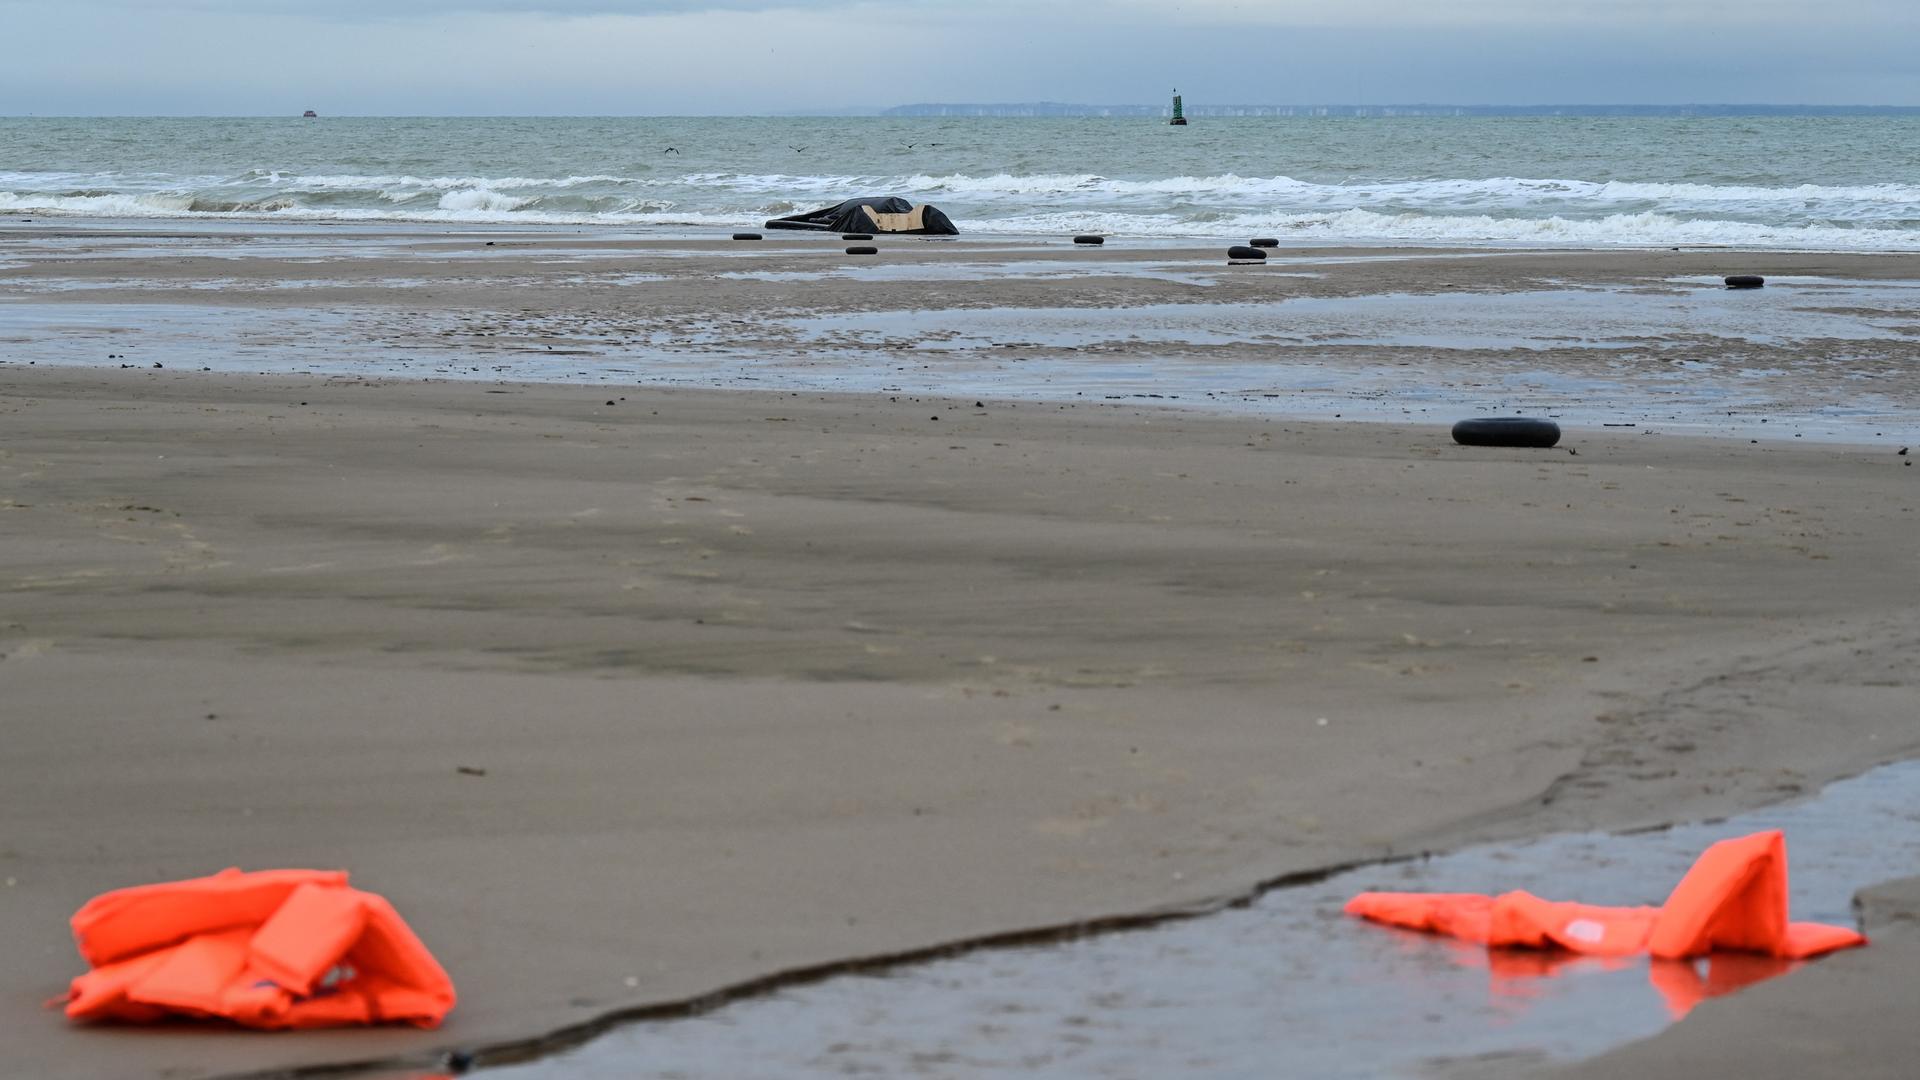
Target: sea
<point>1835,183</point>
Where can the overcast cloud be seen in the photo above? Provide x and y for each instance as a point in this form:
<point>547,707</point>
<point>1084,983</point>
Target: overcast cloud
<point>482,57</point>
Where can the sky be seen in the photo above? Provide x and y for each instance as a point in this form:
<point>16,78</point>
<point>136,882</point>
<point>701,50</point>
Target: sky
<point>716,57</point>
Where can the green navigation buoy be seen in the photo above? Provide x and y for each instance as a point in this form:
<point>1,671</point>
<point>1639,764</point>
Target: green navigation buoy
<point>1179,120</point>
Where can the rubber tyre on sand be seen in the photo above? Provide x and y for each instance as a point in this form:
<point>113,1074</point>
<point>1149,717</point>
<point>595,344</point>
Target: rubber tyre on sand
<point>1506,431</point>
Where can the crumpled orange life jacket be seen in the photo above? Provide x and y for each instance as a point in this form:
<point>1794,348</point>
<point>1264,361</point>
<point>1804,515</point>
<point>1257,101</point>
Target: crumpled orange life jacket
<point>1513,975</point>
<point>270,949</point>
<point>1734,897</point>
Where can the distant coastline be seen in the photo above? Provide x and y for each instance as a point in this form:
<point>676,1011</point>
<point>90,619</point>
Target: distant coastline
<point>1053,108</point>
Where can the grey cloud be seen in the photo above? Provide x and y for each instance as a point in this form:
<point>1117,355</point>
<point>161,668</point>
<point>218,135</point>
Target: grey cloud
<point>386,10</point>
<point>724,56</point>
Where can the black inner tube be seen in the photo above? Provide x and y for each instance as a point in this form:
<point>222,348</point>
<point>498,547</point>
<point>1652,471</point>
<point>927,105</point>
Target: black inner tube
<point>863,250</point>
<point>1094,240</point>
<point>1506,431</point>
<point>1241,251</point>
<point>1746,281</point>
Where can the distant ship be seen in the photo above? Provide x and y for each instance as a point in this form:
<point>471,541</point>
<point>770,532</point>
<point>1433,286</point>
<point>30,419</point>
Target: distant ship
<point>1179,120</point>
<point>309,114</point>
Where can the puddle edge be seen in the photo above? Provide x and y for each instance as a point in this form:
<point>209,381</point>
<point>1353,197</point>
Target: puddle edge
<point>1475,829</point>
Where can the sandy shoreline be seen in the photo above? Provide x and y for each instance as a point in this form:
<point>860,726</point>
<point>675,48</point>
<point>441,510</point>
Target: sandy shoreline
<point>1646,338</point>
<point>761,679</point>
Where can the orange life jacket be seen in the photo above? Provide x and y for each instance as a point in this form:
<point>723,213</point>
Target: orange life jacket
<point>1513,974</point>
<point>271,949</point>
<point>1734,897</point>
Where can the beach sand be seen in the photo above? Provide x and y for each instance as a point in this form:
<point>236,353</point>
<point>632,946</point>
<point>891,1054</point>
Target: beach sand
<point>629,703</point>
<point>1626,337</point>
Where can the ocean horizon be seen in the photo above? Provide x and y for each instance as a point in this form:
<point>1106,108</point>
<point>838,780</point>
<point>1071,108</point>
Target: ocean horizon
<point>1024,109</point>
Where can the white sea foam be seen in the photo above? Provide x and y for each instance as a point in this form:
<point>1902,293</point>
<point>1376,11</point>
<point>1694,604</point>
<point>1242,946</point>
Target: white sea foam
<point>1516,190</point>
<point>1646,229</point>
<point>165,204</point>
<point>1494,209</point>
<point>353,182</point>
<point>481,199</point>
<point>480,207</point>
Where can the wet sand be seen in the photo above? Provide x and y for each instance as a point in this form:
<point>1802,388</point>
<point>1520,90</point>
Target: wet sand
<point>1648,338</point>
<point>1290,977</point>
<point>754,681</point>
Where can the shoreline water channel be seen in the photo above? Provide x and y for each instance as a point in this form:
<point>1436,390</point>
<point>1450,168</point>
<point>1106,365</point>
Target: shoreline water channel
<point>1285,984</point>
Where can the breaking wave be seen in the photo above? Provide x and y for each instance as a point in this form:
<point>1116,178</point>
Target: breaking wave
<point>1500,209</point>
<point>1645,229</point>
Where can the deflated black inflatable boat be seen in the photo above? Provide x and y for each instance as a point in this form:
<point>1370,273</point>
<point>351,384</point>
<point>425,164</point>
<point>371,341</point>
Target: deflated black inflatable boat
<point>888,215</point>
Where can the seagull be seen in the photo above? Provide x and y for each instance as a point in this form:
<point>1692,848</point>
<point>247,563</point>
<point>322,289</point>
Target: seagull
<point>671,150</point>
<point>796,149</point>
